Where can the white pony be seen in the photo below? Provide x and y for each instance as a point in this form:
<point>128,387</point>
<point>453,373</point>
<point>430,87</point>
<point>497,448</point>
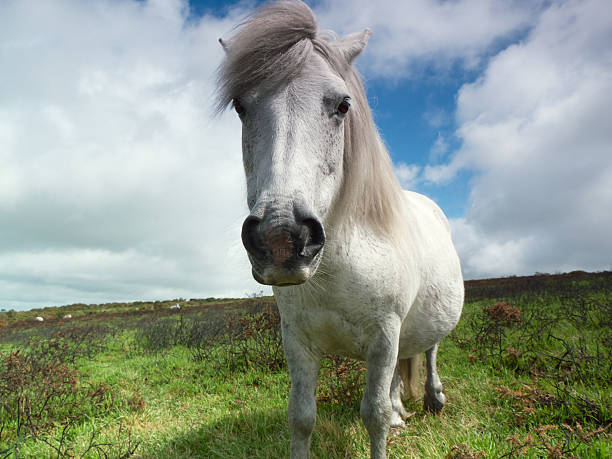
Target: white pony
<point>358,266</point>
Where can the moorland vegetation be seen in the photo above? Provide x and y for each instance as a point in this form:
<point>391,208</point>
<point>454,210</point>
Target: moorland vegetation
<point>526,372</point>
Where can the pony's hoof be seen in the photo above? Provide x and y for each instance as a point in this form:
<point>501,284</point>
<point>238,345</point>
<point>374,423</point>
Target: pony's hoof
<point>397,421</point>
<point>434,403</point>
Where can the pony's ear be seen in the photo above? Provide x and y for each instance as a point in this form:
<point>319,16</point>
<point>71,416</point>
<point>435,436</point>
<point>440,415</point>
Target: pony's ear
<point>351,45</point>
<point>224,44</point>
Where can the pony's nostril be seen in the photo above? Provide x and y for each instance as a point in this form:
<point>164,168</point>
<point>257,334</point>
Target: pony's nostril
<point>251,238</point>
<point>313,236</point>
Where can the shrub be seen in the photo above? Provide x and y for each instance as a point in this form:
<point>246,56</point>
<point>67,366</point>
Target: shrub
<point>42,397</point>
<point>160,334</point>
<point>253,341</point>
<point>342,381</point>
<point>565,341</point>
<point>503,313</point>
<point>230,342</point>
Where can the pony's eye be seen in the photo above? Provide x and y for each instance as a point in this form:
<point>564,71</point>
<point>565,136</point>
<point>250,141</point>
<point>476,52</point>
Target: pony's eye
<point>238,107</point>
<point>344,106</point>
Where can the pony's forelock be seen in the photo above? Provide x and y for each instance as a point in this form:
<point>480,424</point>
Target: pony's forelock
<point>268,49</point>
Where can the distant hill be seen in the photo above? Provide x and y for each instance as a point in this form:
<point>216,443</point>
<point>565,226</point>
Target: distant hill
<point>502,286</point>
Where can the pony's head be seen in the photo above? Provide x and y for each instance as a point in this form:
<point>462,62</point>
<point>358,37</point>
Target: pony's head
<point>306,127</point>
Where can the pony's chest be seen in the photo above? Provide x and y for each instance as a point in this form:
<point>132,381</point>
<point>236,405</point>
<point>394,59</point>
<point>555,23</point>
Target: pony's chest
<point>329,330</point>
<point>361,290</point>
<point>345,321</point>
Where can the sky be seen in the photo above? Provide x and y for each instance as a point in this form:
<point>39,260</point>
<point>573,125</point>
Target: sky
<point>118,184</point>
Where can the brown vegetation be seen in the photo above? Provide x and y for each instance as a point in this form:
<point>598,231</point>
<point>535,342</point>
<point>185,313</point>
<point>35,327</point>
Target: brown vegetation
<point>504,313</point>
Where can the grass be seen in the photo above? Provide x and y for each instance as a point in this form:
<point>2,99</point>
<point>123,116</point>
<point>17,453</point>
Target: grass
<point>209,382</point>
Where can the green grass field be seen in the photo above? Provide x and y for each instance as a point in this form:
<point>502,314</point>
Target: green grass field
<point>526,373</point>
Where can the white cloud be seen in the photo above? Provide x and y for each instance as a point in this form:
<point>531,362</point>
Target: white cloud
<point>115,183</point>
<point>407,35</point>
<point>536,128</point>
<point>481,252</point>
<point>408,175</point>
<point>439,148</point>
<point>441,173</point>
<point>436,117</point>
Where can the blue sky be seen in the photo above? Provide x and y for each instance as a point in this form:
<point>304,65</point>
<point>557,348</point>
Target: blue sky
<point>117,184</point>
<point>404,111</point>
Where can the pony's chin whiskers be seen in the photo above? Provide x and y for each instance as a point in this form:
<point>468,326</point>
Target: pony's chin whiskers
<point>314,287</point>
<point>320,281</point>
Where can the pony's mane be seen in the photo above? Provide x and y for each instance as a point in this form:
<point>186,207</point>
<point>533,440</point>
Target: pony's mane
<point>268,50</point>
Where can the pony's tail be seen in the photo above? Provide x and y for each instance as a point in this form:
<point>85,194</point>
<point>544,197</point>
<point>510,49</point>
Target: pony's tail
<point>409,372</point>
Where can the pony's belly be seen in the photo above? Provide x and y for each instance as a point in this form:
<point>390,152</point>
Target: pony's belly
<point>428,323</point>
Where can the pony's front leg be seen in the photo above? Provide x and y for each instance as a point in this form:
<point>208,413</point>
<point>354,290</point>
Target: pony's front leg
<point>376,408</point>
<point>303,370</point>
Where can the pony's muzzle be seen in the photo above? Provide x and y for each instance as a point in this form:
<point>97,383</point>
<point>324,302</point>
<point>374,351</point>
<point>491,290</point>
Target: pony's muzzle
<point>283,251</point>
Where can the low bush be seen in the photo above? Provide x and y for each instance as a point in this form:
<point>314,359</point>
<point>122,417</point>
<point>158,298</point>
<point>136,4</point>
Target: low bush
<point>236,341</point>
<point>565,342</point>
<point>341,381</point>
<point>43,398</point>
